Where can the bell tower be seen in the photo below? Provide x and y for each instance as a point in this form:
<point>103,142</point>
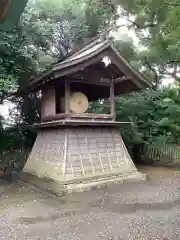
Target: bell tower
<point>75,147</point>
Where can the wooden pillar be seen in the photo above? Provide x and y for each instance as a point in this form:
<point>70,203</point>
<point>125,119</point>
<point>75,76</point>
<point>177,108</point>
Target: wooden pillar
<point>112,100</point>
<point>67,97</point>
<point>48,102</point>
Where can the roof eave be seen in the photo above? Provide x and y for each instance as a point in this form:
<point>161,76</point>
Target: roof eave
<point>62,66</point>
<point>141,79</point>
<point>48,75</point>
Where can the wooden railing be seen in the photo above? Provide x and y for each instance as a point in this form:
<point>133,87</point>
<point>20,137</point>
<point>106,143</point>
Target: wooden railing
<point>160,154</point>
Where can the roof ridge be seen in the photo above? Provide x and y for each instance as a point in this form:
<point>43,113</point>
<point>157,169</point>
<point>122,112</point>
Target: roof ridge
<point>83,49</point>
<point>93,41</point>
<point>90,44</point>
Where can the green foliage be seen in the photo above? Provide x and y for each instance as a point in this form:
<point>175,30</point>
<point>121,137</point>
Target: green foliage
<point>154,124</point>
<point>156,24</point>
<point>46,33</point>
<point>127,48</point>
<point>49,30</point>
<point>155,116</point>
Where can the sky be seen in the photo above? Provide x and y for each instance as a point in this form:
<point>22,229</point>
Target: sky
<point>5,109</point>
<point>124,31</point>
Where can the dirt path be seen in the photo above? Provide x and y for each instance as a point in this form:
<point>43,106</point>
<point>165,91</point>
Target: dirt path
<point>144,210</point>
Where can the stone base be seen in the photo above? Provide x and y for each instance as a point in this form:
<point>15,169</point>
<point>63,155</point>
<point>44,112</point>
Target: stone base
<point>60,189</point>
<point>69,158</point>
<point>104,182</point>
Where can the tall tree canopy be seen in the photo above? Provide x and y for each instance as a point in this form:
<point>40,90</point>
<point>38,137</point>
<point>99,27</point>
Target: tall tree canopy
<point>46,33</point>
<point>156,24</point>
<point>49,30</point>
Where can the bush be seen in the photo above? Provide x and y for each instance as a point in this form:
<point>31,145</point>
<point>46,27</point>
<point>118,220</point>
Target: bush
<point>13,160</point>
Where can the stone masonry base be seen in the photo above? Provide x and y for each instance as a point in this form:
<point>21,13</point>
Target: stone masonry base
<point>78,158</point>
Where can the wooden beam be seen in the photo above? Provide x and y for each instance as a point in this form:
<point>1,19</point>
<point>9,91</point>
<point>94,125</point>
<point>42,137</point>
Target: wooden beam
<point>91,116</point>
<point>74,116</point>
<point>91,76</point>
<point>100,82</point>
<point>54,117</point>
<point>78,122</point>
<point>121,79</point>
<point>135,78</point>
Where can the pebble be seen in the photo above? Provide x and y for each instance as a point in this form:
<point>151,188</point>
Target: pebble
<point>130,211</point>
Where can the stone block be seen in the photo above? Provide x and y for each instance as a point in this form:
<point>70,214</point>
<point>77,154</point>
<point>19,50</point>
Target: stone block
<point>89,152</point>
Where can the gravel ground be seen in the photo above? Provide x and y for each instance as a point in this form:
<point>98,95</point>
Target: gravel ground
<point>143,211</point>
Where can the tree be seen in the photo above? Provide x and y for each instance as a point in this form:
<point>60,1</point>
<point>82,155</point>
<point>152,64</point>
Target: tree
<point>155,116</point>
<point>46,33</point>
<point>156,24</point>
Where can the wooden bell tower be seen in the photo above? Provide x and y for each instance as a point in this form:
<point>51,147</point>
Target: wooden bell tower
<point>75,147</point>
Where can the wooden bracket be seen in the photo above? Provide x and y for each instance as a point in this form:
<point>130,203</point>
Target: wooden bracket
<point>121,79</point>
